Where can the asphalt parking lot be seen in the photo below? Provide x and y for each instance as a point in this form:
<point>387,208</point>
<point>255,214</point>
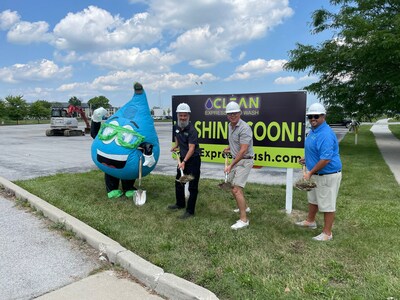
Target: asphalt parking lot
<point>26,152</point>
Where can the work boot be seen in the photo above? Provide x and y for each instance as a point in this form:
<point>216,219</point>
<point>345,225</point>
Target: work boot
<point>174,207</point>
<point>186,215</point>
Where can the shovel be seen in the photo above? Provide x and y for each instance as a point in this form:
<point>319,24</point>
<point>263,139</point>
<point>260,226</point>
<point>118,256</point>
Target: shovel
<point>303,184</point>
<point>184,178</point>
<point>140,196</point>
<point>226,186</point>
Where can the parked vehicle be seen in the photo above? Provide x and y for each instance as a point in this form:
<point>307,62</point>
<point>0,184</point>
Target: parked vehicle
<point>64,123</point>
<point>343,122</point>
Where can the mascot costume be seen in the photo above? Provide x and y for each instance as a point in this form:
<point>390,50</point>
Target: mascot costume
<point>121,142</point>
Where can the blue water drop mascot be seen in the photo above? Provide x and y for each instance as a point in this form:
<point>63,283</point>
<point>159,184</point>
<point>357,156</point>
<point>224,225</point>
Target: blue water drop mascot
<point>122,140</point>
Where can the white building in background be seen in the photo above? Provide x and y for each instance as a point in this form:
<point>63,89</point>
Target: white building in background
<point>161,113</point>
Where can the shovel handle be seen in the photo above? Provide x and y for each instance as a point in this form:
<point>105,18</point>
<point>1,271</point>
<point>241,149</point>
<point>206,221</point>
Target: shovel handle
<point>140,169</point>
<point>179,161</point>
<point>304,170</point>
<point>226,160</point>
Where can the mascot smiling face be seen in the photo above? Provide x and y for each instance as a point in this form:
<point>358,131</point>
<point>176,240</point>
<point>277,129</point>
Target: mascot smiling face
<point>115,148</point>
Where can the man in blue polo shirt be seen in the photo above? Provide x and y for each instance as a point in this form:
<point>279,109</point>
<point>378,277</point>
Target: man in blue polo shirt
<point>322,159</point>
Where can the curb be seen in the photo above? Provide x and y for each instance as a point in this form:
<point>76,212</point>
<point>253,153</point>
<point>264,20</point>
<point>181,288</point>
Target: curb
<point>165,284</point>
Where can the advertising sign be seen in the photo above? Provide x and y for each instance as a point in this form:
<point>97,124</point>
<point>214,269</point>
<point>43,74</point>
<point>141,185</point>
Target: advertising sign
<point>277,120</point>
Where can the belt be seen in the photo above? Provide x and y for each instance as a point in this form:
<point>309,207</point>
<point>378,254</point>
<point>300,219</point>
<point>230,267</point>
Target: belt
<point>328,173</point>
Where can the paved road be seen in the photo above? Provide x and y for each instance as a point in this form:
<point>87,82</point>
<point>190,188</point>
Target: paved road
<point>36,260</point>
<point>389,146</point>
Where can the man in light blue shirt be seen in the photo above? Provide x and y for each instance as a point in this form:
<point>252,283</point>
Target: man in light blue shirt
<point>322,159</point>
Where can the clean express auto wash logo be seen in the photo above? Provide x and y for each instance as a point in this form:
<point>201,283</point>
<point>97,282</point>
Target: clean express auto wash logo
<point>250,105</point>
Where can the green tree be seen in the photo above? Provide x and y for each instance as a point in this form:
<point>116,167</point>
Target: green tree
<point>358,67</point>
<point>40,109</point>
<point>17,108</point>
<point>3,112</point>
<point>75,101</point>
<point>99,101</point>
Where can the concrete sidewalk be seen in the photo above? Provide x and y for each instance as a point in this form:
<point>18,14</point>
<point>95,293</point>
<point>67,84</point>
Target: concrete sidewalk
<point>389,145</point>
<point>152,277</point>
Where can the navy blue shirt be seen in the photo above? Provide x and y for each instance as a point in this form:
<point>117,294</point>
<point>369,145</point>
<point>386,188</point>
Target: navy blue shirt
<point>186,136</point>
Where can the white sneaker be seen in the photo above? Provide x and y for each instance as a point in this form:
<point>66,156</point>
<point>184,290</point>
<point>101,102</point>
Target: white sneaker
<point>322,237</point>
<point>305,223</point>
<point>236,210</point>
<point>240,224</point>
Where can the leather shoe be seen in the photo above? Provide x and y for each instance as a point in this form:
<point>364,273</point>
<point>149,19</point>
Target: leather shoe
<point>186,215</point>
<point>174,207</point>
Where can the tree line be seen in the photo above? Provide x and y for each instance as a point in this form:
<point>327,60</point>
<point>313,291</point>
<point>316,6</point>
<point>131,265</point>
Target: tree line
<point>358,67</point>
<point>16,108</point>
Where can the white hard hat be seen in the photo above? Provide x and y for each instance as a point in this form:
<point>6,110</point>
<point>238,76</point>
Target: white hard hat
<point>316,109</point>
<point>183,107</point>
<point>232,107</point>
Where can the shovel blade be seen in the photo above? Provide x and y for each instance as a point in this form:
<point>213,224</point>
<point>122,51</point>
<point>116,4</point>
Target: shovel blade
<point>226,186</point>
<point>140,197</point>
<point>185,178</point>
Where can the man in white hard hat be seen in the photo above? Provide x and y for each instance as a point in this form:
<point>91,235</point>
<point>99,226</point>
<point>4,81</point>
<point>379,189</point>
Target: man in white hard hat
<point>240,137</point>
<point>322,159</point>
<point>186,141</point>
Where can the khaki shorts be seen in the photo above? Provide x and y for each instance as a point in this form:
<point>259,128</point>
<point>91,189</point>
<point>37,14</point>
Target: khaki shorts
<point>326,192</point>
<point>240,172</point>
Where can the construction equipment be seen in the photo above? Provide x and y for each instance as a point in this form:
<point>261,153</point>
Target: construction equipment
<point>64,122</point>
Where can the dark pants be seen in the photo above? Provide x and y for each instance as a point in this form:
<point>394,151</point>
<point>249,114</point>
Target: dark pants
<point>192,167</point>
<point>112,183</point>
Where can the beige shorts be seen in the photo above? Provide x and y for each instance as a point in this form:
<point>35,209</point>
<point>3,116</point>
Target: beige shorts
<point>326,192</point>
<point>240,172</point>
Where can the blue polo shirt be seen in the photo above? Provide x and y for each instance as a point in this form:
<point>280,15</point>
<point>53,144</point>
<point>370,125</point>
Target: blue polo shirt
<point>321,143</point>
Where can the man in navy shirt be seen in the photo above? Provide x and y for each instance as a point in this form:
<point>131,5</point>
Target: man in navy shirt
<point>322,159</point>
<point>186,141</point>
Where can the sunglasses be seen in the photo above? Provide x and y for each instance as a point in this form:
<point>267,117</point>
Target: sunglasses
<point>310,117</point>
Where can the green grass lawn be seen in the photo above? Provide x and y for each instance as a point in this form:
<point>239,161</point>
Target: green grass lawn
<point>395,129</point>
<point>272,259</point>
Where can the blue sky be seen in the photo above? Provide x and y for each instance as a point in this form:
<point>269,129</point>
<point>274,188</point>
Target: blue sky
<point>55,49</point>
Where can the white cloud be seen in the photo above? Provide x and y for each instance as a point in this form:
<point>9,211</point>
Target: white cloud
<point>294,80</point>
<point>8,18</point>
<point>286,80</point>
<point>202,32</point>
<point>214,27</point>
<point>199,45</point>
<point>43,70</point>
<point>152,59</point>
<point>257,68</point>
<point>95,28</point>
<point>26,33</point>
<point>122,81</point>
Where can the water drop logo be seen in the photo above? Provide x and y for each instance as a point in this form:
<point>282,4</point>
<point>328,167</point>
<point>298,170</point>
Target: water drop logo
<point>209,104</point>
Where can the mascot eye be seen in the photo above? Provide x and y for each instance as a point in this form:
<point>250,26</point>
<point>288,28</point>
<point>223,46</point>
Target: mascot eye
<point>109,131</point>
<point>126,136</point>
